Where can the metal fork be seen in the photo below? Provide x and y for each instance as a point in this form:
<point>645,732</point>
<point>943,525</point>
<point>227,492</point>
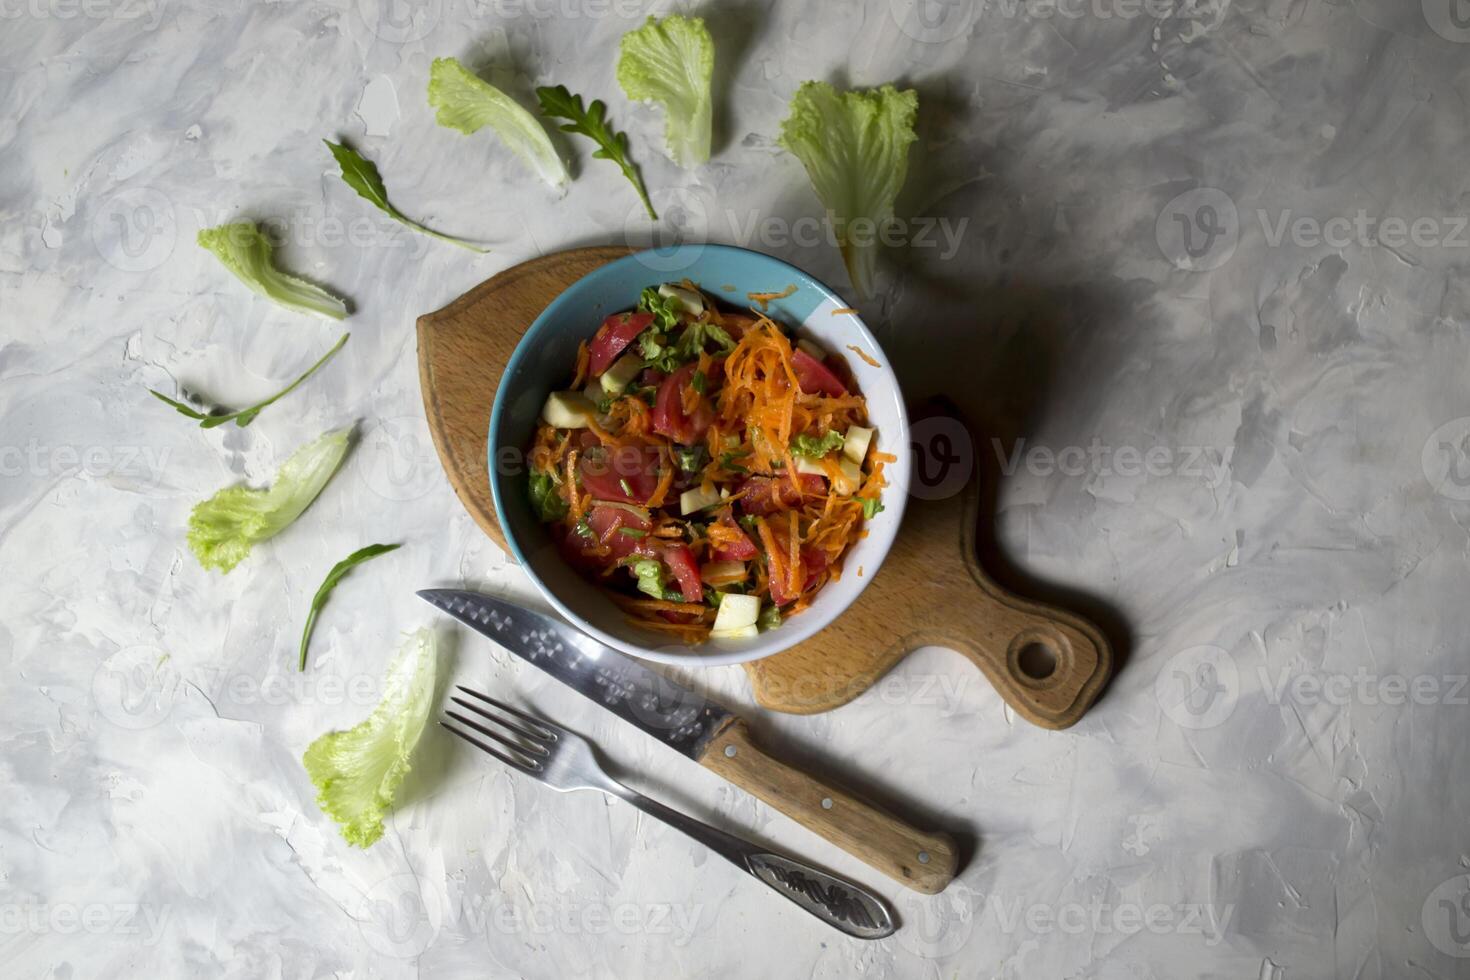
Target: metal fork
<point>565,762</point>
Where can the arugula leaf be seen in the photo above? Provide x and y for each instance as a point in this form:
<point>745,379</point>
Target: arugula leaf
<point>545,501</point>
<point>871,507</point>
<point>558,103</point>
<point>357,772</point>
<point>245,416</point>
<point>336,575</point>
<point>670,62</point>
<point>246,252</point>
<point>815,448</point>
<point>855,148</point>
<point>224,528</point>
<point>467,103</point>
<point>361,174</point>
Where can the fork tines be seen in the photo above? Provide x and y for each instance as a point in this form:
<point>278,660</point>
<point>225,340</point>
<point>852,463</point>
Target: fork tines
<point>533,738</point>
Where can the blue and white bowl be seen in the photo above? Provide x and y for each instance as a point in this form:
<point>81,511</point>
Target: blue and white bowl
<point>542,363</point>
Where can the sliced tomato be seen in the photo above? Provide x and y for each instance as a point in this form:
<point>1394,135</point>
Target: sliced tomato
<point>615,334</point>
<point>813,376</point>
<point>669,417</point>
<point>765,494</point>
<point>739,549</point>
<point>608,523</point>
<point>626,473</point>
<point>681,563</point>
<point>814,561</point>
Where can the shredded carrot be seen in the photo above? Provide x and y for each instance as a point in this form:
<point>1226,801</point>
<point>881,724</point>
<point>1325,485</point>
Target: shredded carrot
<point>765,298</point>
<point>862,353</point>
<point>584,361</point>
<point>841,310</point>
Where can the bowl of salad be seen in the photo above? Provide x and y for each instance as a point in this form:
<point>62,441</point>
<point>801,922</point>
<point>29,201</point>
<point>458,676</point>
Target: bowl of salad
<point>701,466</point>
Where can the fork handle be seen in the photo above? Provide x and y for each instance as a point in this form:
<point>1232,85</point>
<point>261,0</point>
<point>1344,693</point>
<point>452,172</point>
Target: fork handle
<point>921,860</point>
<point>842,904</point>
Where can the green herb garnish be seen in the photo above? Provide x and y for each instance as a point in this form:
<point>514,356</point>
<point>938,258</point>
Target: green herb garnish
<point>361,174</point>
<point>770,618</point>
<point>245,416</point>
<point>336,575</point>
<point>727,462</point>
<point>697,382</point>
<point>632,532</point>
<point>871,507</point>
<point>692,458</point>
<point>591,122</point>
<point>584,528</point>
<point>623,482</point>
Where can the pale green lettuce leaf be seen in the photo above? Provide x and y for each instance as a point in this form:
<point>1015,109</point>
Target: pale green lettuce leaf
<point>246,252</point>
<point>855,147</point>
<point>671,62</point>
<point>223,528</point>
<point>468,103</point>
<point>358,771</point>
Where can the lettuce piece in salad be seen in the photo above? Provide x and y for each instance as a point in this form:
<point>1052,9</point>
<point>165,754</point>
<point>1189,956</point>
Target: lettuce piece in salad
<point>357,772</point>
<point>467,103</point>
<point>224,528</point>
<point>671,62</point>
<point>246,252</point>
<point>855,148</point>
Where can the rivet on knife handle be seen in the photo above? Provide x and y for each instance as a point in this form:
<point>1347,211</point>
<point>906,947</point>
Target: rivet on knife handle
<point>921,860</point>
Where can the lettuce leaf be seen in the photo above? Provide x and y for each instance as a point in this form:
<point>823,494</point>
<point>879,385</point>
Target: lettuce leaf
<point>816,448</point>
<point>467,103</point>
<point>670,62</point>
<point>246,252</point>
<point>223,528</point>
<point>855,148</point>
<point>358,771</point>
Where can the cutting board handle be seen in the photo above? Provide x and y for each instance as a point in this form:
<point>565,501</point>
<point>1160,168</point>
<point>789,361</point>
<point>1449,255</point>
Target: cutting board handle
<point>1048,664</point>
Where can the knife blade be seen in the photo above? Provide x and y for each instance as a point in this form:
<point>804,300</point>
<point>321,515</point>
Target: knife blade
<point>708,733</point>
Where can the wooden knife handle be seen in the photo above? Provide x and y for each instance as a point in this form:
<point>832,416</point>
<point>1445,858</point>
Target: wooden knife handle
<point>923,861</point>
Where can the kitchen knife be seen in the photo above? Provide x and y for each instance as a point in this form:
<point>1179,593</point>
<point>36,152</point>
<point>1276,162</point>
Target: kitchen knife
<point>707,733</point>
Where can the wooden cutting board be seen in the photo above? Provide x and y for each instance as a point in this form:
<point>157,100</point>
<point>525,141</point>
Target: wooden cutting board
<point>1049,664</point>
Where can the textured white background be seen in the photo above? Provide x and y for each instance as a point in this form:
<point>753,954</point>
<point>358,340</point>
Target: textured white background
<point>1290,559</point>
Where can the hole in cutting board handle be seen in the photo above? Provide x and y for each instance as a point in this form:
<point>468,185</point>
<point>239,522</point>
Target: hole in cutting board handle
<point>1038,661</point>
<point>1039,657</point>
